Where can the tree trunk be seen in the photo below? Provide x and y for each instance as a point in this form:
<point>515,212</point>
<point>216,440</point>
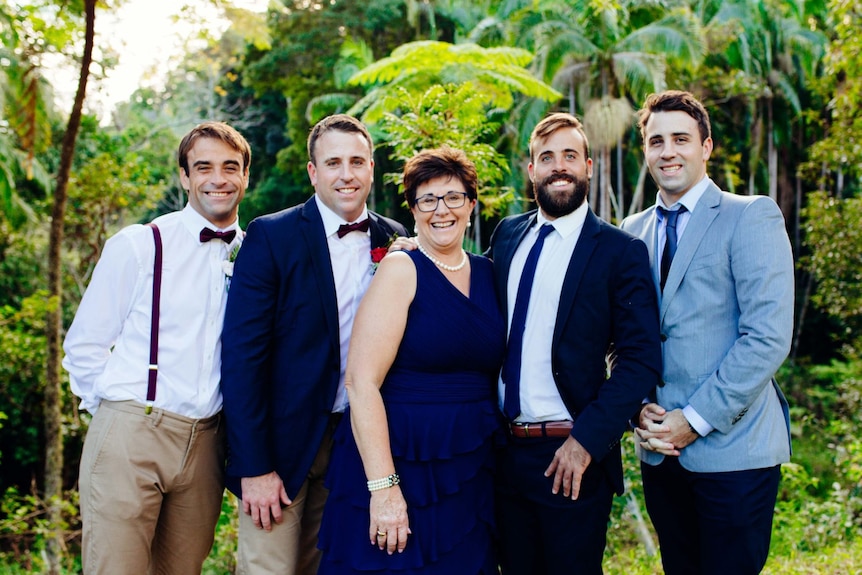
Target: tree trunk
<point>771,154</point>
<point>54,323</point>
<point>635,516</point>
<point>621,212</point>
<point>638,198</point>
<point>605,187</point>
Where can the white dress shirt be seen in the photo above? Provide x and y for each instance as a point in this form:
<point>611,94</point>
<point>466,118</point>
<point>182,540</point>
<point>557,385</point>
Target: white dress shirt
<point>350,257</point>
<point>108,344</point>
<point>540,398</point>
<point>689,200</point>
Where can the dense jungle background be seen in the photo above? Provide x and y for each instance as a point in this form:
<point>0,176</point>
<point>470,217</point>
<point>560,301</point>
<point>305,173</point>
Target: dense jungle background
<point>782,80</point>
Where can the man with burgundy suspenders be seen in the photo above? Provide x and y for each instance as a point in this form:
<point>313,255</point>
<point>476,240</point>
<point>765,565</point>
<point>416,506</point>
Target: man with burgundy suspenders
<point>144,355</point>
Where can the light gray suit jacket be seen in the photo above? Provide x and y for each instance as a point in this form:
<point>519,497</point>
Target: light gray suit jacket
<point>726,322</point>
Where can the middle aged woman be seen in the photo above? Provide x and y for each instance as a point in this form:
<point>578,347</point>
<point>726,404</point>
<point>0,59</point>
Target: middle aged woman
<point>425,352</point>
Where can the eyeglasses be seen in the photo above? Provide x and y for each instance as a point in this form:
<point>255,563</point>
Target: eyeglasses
<point>429,202</point>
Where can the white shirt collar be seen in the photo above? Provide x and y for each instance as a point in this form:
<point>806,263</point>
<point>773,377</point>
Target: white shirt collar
<point>195,222</point>
<point>331,220</point>
<point>568,224</point>
<point>688,199</point>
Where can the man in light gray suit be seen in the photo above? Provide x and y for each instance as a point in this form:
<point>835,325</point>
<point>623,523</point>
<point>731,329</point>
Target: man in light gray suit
<point>713,438</point>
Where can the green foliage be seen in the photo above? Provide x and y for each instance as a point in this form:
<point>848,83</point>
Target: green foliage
<point>222,558</point>
<point>22,262</point>
<point>806,523</point>
<point>820,502</point>
<point>23,349</point>
<point>454,116</point>
<point>111,190</point>
<point>841,150</point>
<point>498,72</point>
<point>833,234</point>
<point>25,528</point>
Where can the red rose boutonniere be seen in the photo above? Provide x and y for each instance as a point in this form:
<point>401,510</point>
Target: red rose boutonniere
<point>377,254</point>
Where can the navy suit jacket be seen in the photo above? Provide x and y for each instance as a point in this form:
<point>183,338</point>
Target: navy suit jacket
<point>280,345</point>
<point>607,299</point>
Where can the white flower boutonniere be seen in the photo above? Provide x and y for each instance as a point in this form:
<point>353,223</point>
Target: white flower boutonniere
<point>227,265</point>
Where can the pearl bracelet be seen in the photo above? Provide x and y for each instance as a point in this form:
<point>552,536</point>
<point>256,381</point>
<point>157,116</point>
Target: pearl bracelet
<point>385,483</point>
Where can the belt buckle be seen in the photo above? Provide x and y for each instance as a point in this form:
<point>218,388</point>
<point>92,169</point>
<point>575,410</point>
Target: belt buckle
<point>526,430</point>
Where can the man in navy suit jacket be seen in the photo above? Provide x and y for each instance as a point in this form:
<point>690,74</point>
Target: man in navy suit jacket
<point>592,290</point>
<point>297,283</point>
<point>713,442</point>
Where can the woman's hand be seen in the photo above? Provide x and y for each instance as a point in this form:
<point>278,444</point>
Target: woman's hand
<point>402,244</point>
<point>389,525</point>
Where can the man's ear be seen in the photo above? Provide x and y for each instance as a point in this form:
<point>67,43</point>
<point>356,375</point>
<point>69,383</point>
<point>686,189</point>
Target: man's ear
<point>184,179</point>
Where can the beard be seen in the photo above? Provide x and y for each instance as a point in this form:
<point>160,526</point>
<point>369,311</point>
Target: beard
<point>556,203</point>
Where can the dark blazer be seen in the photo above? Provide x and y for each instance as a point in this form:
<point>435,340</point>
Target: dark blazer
<point>280,345</point>
<point>607,299</point>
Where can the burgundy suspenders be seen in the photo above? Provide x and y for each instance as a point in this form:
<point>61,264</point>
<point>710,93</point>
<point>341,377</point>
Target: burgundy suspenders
<point>154,321</point>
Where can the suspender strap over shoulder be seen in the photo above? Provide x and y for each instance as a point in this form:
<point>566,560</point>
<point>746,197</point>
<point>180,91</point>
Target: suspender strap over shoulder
<point>154,321</point>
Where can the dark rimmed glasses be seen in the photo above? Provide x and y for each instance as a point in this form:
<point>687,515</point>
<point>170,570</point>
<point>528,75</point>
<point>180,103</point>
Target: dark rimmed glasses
<point>429,202</point>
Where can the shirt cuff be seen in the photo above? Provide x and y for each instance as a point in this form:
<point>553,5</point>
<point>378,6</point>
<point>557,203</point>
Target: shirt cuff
<point>696,421</point>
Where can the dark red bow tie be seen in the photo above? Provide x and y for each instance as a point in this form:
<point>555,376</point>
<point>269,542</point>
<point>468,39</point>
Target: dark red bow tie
<point>345,229</point>
<point>208,234</point>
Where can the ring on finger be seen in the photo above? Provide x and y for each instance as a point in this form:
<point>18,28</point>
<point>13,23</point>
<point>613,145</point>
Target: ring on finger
<point>381,533</point>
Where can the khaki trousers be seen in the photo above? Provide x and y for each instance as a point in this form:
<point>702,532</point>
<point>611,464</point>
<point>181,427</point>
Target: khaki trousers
<point>151,491</point>
<point>291,547</point>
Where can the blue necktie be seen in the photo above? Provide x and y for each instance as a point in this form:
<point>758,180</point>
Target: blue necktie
<point>512,367</point>
<point>670,241</point>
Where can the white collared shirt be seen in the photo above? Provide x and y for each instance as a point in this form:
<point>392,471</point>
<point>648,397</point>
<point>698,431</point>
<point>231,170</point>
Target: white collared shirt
<point>350,257</point>
<point>108,344</point>
<point>689,200</point>
<point>540,398</point>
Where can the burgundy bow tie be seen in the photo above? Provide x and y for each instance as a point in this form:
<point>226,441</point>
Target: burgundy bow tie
<point>208,234</point>
<point>345,229</point>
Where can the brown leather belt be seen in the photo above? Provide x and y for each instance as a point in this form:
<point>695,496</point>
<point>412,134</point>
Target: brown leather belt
<point>540,429</point>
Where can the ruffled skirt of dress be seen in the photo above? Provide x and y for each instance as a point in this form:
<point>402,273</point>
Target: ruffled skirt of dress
<point>444,455</point>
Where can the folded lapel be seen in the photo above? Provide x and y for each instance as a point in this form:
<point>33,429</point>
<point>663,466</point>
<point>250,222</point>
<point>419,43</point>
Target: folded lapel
<point>315,240</point>
<point>505,251</point>
<point>650,231</point>
<point>695,231</point>
<point>577,264</point>
<point>380,234</point>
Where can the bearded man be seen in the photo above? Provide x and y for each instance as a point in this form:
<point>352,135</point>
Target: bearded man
<point>573,287</point>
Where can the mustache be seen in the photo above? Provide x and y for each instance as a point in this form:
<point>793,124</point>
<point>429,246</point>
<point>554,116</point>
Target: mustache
<point>557,177</point>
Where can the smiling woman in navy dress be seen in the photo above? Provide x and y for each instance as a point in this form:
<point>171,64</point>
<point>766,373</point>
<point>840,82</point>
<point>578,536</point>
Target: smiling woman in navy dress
<point>426,349</point>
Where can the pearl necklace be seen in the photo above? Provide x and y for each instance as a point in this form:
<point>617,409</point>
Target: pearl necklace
<point>440,264</point>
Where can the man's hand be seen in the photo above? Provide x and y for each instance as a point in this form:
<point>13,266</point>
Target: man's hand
<point>665,432</point>
<point>568,467</point>
<point>262,498</point>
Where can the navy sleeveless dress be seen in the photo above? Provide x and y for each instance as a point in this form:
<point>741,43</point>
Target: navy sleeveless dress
<point>441,404</point>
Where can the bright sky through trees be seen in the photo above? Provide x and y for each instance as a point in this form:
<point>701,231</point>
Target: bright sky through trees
<point>145,35</point>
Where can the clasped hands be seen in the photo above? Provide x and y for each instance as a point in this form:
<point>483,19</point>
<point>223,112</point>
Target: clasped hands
<point>665,432</point>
